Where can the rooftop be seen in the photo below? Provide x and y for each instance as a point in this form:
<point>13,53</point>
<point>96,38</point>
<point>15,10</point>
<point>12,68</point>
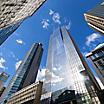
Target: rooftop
<point>97,47</point>
<point>98,10</point>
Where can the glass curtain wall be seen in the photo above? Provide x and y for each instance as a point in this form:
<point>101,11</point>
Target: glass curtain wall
<point>64,66</point>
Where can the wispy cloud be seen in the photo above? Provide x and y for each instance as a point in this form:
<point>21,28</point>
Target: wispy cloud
<point>68,25</point>
<point>56,18</point>
<point>51,12</point>
<point>13,55</point>
<point>1,54</point>
<point>19,41</point>
<point>18,64</point>
<point>17,34</point>
<point>45,23</point>
<point>2,62</point>
<point>92,38</point>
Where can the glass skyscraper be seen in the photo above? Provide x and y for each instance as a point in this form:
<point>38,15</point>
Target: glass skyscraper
<point>13,12</point>
<point>26,73</point>
<point>64,69</point>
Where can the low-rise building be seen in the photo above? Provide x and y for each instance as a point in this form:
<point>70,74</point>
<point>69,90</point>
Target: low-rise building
<point>28,95</point>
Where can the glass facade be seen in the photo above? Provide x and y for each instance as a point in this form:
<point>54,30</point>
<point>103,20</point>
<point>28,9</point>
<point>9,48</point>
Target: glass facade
<point>7,31</point>
<point>17,82</point>
<point>64,67</point>
<point>13,12</point>
<point>97,60</point>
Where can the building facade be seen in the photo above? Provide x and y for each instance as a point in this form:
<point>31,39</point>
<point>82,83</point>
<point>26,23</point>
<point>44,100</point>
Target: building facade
<point>96,57</point>
<point>95,17</point>
<point>7,31</point>
<point>28,95</point>
<point>12,14</point>
<point>64,67</point>
<point>26,73</point>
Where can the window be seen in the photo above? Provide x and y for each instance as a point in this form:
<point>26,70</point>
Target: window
<point>93,57</point>
<point>100,65</point>
<point>100,54</point>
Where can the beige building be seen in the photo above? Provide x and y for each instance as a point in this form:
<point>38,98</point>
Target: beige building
<point>95,17</point>
<point>12,11</point>
<point>28,95</point>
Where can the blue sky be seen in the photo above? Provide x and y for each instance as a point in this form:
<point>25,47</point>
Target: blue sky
<point>39,27</point>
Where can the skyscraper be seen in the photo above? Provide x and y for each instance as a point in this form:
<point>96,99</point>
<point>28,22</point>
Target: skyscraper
<point>96,57</point>
<point>26,73</point>
<point>64,66</point>
<point>13,12</point>
<point>95,17</point>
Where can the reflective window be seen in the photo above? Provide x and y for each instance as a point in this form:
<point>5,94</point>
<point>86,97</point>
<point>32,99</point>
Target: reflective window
<point>100,54</point>
<point>64,66</point>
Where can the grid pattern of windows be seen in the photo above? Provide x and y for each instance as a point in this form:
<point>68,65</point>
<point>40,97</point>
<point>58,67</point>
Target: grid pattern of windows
<point>6,32</point>
<point>95,22</point>
<point>14,10</point>
<point>99,64</point>
<point>26,94</point>
<point>97,60</point>
<point>64,66</point>
<point>21,74</point>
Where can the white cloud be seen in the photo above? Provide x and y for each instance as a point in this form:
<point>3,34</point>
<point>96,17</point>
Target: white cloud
<point>18,64</point>
<point>41,75</point>
<point>69,25</point>
<point>19,41</point>
<point>56,18</point>
<point>2,62</point>
<point>92,38</point>
<point>56,79</point>
<point>45,23</point>
<point>51,12</point>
